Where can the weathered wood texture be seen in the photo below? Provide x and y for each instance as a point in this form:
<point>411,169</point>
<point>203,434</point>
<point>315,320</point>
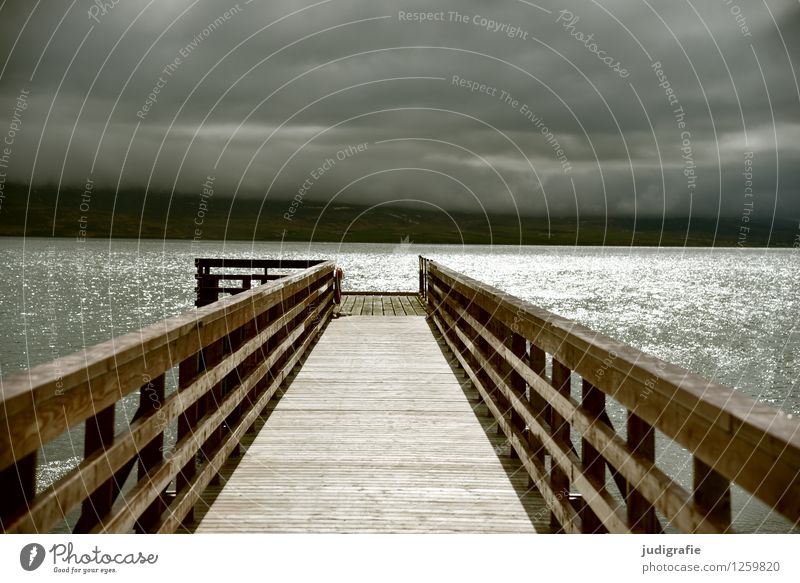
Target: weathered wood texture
<point>732,437</point>
<point>215,276</point>
<point>377,433</point>
<point>232,355</point>
<point>375,304</point>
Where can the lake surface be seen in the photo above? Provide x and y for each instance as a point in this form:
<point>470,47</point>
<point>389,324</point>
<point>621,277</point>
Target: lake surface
<point>728,314</point>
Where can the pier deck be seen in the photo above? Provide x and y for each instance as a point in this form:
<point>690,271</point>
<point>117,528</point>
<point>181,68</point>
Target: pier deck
<point>377,304</point>
<point>377,433</point>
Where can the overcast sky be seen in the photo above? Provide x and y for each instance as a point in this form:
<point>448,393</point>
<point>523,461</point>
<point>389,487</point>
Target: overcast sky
<point>261,94</point>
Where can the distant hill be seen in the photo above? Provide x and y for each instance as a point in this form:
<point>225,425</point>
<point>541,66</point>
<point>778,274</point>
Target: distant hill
<point>130,215</point>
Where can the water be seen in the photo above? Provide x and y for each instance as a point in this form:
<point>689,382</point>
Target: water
<point>728,314</point>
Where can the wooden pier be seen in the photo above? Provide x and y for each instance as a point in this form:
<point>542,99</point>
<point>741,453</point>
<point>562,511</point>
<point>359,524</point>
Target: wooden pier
<point>376,433</point>
<point>456,409</point>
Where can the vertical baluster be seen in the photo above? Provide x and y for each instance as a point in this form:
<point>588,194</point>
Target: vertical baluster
<point>421,277</point>
<point>560,429</point>
<point>499,364</point>
<point>99,434</point>
<point>481,347</point>
<point>249,331</point>
<point>263,322</point>
<point>430,295</point>
<point>212,355</point>
<point>231,381</point>
<point>18,487</point>
<point>151,399</point>
<point>536,362</point>
<point>280,336</point>
<point>641,514</point>
<point>712,492</point>
<point>297,299</point>
<point>187,373</point>
<point>274,340</point>
<point>518,346</point>
<point>594,402</point>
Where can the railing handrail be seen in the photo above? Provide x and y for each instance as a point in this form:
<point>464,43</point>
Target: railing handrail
<point>238,263</point>
<point>29,391</point>
<point>231,356</point>
<point>634,363</point>
<point>746,441</point>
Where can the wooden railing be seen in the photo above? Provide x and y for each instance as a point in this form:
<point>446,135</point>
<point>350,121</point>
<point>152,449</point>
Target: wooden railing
<point>230,357</point>
<point>212,272</point>
<point>504,343</point>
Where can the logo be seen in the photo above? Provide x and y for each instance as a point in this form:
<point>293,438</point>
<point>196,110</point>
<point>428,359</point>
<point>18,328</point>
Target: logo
<point>31,556</point>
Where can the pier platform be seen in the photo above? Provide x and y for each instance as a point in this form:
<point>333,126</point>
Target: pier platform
<point>377,432</point>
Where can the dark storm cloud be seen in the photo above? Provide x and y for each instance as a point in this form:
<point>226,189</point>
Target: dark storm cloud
<point>261,94</point>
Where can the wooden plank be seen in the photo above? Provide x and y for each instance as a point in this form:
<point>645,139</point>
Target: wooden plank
<point>419,308</point>
<point>397,307</point>
<point>381,293</point>
<point>346,453</point>
<point>232,262</point>
<point>405,306</point>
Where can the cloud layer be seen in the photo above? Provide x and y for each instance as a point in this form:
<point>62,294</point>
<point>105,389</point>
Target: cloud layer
<point>591,108</point>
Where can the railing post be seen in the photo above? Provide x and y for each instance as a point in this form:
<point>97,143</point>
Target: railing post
<point>482,357</point>
<point>536,361</point>
<point>559,480</point>
<point>18,485</point>
<point>712,492</point>
<point>151,399</point>
<point>641,514</point>
<point>249,331</point>
<point>594,402</point>
<point>280,309</point>
<point>430,297</point>
<point>229,383</point>
<point>499,364</point>
<point>519,347</point>
<point>421,279</point>
<point>99,434</point>
<point>187,372</point>
<point>212,355</point>
<point>205,285</point>
<point>262,322</point>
